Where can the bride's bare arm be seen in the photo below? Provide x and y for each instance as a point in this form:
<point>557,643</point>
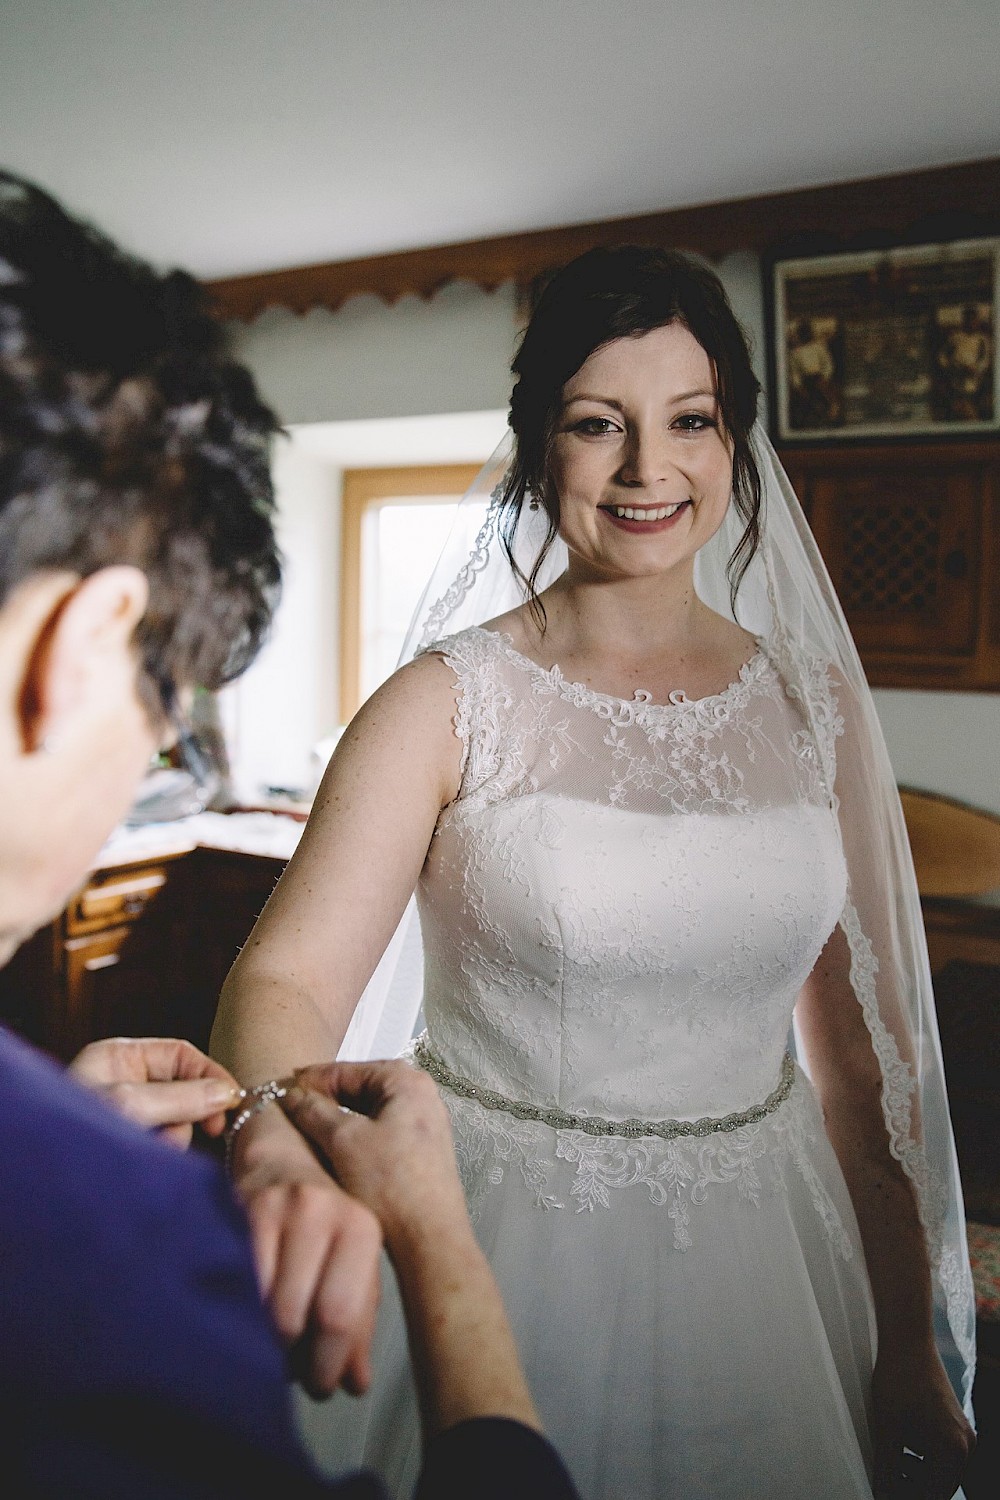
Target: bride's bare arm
<point>290,995</point>
<point>912,1399</point>
<point>913,1403</point>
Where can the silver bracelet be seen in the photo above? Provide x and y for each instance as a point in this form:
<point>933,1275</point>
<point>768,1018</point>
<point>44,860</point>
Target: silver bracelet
<point>254,1100</point>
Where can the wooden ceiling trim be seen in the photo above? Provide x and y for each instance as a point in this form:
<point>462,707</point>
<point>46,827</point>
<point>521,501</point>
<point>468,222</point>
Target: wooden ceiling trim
<point>946,201</point>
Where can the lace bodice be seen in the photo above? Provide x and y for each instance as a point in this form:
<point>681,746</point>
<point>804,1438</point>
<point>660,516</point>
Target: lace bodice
<point>620,907</point>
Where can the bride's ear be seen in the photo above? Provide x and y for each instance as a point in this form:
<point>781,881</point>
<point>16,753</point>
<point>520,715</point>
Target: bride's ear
<point>82,654</point>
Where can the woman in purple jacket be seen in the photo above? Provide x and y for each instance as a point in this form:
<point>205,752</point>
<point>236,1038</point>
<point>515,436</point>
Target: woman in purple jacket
<point>138,559</point>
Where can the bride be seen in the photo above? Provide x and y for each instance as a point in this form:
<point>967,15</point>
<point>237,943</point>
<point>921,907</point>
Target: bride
<point>675,988</point>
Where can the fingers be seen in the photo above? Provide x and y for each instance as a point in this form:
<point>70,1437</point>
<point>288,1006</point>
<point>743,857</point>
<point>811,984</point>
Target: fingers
<point>314,1114</point>
<point>265,1211</point>
<point>361,1086</point>
<point>184,1102</point>
<point>163,1083</point>
<point>356,1376</point>
<point>935,1473</point>
<point>129,1059</point>
<point>318,1255</point>
<point>308,1231</point>
<point>173,1057</point>
<point>342,1324</point>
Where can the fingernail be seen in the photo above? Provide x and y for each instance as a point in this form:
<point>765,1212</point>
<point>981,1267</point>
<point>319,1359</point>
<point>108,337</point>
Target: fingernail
<point>295,1096</point>
<point>223,1095</point>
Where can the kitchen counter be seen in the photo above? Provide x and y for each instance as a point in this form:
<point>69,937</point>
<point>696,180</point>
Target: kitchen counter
<point>265,833</point>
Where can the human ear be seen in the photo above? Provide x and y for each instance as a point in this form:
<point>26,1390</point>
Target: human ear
<point>83,653</point>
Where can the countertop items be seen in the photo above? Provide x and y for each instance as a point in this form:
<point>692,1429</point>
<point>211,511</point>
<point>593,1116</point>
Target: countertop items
<point>270,834</point>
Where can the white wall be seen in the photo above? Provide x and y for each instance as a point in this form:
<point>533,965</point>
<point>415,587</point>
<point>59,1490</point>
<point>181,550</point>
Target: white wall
<point>452,355</point>
<point>944,742</point>
<point>288,701</point>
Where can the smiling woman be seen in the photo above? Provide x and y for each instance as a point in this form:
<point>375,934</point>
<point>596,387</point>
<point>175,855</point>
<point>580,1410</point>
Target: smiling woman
<point>649,820</point>
<point>711,382</point>
<point>647,457</point>
<point>640,473</point>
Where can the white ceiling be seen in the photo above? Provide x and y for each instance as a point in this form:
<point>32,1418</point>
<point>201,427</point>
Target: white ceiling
<point>238,135</point>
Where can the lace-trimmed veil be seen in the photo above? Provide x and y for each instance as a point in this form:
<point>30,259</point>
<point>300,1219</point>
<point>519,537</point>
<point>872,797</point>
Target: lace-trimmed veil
<point>786,598</point>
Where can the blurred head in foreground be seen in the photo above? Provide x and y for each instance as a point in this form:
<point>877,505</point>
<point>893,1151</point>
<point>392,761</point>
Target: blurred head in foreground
<point>137,549</point>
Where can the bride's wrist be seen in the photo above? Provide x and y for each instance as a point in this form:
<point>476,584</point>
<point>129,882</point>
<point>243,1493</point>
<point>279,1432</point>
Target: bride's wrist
<point>905,1343</point>
<point>432,1235</point>
<point>268,1143</point>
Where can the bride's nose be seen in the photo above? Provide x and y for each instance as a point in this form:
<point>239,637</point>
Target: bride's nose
<point>646,461</point>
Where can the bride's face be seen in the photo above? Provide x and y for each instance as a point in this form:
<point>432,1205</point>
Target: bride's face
<point>641,462</point>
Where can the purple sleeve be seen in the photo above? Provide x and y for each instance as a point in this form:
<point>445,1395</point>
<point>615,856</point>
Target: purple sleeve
<point>135,1354</point>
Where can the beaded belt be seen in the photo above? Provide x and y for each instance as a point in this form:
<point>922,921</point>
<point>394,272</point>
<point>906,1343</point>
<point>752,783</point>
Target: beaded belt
<point>559,1119</point>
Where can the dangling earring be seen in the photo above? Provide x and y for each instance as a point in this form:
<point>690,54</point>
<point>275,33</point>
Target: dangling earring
<point>532,503</point>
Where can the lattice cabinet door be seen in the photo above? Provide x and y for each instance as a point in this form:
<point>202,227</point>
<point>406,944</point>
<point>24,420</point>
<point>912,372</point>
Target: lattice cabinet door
<point>910,537</point>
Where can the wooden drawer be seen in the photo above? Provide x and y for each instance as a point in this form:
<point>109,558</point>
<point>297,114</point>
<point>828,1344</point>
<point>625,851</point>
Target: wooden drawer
<point>111,897</point>
<point>92,996</point>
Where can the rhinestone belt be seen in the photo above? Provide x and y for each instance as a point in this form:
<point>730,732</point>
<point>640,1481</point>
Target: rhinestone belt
<point>560,1119</point>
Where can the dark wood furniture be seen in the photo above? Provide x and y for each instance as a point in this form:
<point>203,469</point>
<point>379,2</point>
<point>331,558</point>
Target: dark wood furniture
<point>141,949</point>
<point>964,944</point>
<point>911,535</point>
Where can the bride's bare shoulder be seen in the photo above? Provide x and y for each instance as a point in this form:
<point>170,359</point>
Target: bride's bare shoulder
<point>427,680</point>
<point>410,716</point>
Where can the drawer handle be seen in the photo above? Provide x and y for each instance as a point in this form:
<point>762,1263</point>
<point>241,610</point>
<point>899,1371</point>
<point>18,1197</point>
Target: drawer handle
<point>106,961</point>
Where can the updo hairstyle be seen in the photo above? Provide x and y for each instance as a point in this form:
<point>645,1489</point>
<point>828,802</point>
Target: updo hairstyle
<point>612,293</point>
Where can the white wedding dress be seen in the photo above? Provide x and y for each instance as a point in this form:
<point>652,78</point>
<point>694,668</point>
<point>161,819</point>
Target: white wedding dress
<point>618,913</point>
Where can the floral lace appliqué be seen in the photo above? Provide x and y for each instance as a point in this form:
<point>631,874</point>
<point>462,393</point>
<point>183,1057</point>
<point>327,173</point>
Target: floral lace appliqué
<point>676,1174</point>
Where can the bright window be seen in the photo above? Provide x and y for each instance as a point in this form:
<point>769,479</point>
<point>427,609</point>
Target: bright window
<point>395,523</point>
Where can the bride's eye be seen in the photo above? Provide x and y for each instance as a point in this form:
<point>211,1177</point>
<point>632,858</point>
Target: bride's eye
<point>595,426</point>
<point>694,421</point>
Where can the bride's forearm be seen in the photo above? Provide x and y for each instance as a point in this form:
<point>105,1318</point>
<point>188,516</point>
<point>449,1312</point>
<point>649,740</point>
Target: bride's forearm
<point>892,1235</point>
<point>266,1026</point>
<point>847,1076</point>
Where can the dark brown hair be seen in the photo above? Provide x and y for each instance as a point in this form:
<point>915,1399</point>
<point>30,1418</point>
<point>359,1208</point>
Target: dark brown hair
<point>129,435</point>
<point>611,293</point>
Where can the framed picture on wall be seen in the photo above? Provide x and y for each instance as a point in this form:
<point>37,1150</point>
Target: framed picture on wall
<point>890,343</point>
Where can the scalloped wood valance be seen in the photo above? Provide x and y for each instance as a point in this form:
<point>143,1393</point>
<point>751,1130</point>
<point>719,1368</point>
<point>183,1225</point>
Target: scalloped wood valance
<point>939,203</point>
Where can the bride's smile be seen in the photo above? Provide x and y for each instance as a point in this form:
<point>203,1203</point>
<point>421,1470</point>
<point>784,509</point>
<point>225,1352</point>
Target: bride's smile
<point>644,519</point>
<point>640,462</point>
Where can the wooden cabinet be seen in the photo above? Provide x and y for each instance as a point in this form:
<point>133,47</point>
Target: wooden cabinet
<point>140,950</point>
<point>226,893</point>
<point>963,942</point>
<point>911,536</point>
<point>116,972</point>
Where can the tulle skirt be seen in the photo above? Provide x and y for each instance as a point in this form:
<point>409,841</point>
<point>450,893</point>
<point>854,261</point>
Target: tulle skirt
<point>739,1367</point>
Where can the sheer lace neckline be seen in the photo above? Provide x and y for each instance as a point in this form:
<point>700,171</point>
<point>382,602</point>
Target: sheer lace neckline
<point>552,677</point>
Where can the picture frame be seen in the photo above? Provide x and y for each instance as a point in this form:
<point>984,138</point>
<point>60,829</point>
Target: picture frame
<point>896,342</point>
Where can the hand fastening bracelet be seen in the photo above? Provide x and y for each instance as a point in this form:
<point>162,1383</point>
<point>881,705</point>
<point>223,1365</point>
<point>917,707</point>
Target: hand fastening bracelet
<point>254,1100</point>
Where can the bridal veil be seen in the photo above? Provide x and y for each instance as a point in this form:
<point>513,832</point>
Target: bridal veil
<point>787,599</point>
